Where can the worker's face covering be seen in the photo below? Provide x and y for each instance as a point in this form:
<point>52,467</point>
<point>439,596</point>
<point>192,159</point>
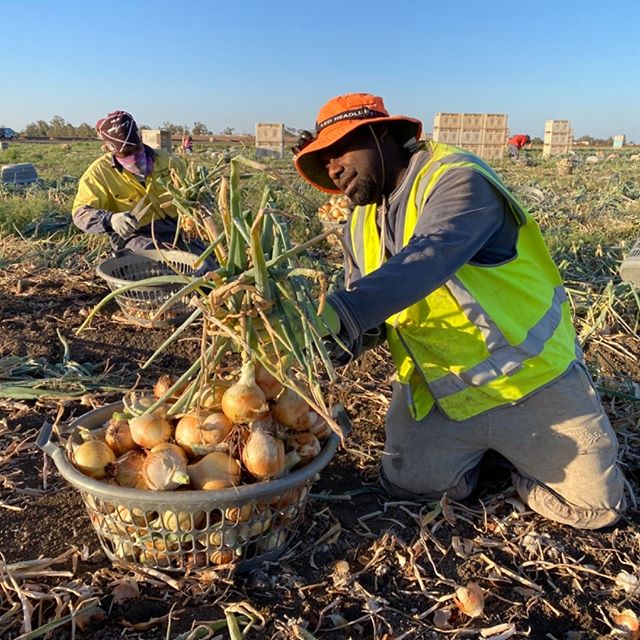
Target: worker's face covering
<point>137,163</point>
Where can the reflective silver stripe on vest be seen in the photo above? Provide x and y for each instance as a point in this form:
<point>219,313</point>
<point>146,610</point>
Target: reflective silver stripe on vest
<point>357,240</point>
<point>426,178</point>
<point>505,359</point>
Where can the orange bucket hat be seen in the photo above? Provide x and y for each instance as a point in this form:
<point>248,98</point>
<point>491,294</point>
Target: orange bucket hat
<point>337,118</point>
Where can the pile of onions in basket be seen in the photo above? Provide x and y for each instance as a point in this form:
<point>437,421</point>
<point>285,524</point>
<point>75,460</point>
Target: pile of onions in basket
<point>250,430</point>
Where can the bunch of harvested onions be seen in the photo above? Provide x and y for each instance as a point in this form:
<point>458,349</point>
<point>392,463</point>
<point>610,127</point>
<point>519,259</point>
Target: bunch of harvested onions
<point>263,302</point>
<point>248,438</point>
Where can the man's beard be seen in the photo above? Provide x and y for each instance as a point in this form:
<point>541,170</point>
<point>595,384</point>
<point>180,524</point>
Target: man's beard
<point>366,192</point>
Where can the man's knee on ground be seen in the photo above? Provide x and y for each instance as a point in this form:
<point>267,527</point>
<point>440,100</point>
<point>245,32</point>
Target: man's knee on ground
<point>553,506</point>
<point>406,485</point>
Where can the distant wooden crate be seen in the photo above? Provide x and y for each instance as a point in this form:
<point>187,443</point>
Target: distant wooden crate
<point>470,137</point>
<point>486,151</point>
<point>557,126</point>
<point>447,136</point>
<point>493,137</point>
<point>495,121</point>
<point>472,121</point>
<point>619,141</point>
<point>549,150</point>
<point>269,139</point>
<point>157,139</point>
<point>447,121</point>
<point>492,151</point>
<point>558,139</point>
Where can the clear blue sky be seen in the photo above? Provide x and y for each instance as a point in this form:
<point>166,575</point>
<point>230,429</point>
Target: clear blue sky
<point>235,63</point>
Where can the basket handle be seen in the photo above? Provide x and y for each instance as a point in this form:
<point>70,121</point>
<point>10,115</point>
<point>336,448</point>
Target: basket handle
<point>44,440</point>
<point>342,419</point>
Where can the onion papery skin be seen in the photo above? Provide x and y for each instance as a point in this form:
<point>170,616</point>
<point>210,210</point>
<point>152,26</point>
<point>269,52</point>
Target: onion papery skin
<point>263,455</point>
<point>215,471</point>
<point>118,435</point>
<point>93,457</point>
<point>150,430</point>
<point>244,401</point>
<point>210,398</point>
<point>164,383</point>
<point>306,445</point>
<point>136,404</point>
<point>127,469</point>
<point>201,433</point>
<point>293,411</point>
<point>319,427</point>
<point>165,468</point>
<point>270,385</point>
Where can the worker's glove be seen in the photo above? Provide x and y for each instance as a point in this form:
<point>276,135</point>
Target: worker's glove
<point>349,350</point>
<point>124,224</point>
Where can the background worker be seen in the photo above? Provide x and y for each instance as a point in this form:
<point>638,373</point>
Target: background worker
<point>517,142</point>
<point>187,144</point>
<point>444,257</point>
<point>130,174</point>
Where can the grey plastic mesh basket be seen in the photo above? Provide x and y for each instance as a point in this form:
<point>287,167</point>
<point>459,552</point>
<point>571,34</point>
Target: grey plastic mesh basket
<point>140,303</point>
<point>630,267</point>
<point>189,530</point>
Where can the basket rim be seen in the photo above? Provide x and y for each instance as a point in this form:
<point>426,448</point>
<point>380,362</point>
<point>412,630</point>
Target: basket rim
<point>183,498</point>
<point>162,255</point>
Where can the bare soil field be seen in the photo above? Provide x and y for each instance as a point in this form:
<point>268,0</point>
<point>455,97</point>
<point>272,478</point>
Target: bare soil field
<point>362,564</point>
<point>403,560</point>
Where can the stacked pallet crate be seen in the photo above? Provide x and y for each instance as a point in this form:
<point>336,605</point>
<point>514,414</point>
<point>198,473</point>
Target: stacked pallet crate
<point>269,140</point>
<point>484,134</point>
<point>558,138</point>
<point>157,139</point>
<point>619,141</point>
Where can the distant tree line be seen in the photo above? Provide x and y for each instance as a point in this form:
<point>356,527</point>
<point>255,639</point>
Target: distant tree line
<point>58,127</point>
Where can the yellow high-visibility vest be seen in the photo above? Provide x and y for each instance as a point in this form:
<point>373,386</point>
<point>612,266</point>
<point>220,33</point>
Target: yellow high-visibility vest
<point>104,187</point>
<point>489,336</point>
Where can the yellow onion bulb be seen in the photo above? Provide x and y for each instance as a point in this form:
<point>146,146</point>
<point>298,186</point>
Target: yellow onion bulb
<point>165,467</point>
<point>93,457</point>
<point>244,401</point>
<point>269,384</point>
<point>127,469</point>
<point>200,433</point>
<point>118,435</point>
<point>263,455</point>
<point>215,471</point>
<point>164,383</point>
<point>210,398</point>
<point>293,411</point>
<point>306,445</point>
<point>319,427</point>
<point>150,430</point>
<point>136,404</point>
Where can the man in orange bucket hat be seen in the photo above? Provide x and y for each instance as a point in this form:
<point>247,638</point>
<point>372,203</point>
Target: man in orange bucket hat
<point>446,264</point>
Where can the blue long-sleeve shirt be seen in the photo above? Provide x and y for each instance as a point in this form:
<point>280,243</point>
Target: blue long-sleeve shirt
<point>464,220</point>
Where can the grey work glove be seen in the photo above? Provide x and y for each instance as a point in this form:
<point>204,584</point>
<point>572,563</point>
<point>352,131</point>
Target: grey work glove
<point>124,224</point>
<point>368,340</point>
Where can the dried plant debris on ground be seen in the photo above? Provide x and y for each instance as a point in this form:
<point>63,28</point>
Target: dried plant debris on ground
<point>362,565</point>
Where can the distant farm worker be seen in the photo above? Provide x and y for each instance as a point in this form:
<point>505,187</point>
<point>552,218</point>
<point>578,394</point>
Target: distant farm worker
<point>448,265</point>
<point>120,194</point>
<point>517,142</point>
<point>187,144</point>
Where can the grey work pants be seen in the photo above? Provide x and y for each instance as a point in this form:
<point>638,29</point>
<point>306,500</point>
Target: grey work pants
<point>559,441</point>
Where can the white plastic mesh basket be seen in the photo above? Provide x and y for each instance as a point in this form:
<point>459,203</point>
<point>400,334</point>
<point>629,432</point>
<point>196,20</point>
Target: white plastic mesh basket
<point>141,303</point>
<point>190,530</point>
